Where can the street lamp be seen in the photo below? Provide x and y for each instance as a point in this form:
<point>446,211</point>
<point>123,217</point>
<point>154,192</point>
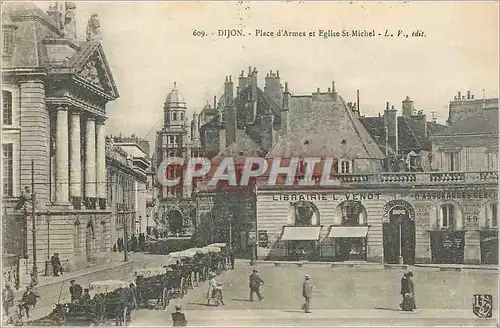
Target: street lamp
<point>48,262</point>
<point>400,260</point>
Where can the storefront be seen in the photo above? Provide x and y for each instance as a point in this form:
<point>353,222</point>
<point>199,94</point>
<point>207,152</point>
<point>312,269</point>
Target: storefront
<point>302,242</point>
<point>350,243</point>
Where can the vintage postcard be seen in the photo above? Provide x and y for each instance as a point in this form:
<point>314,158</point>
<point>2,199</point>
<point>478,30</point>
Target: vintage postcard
<point>250,164</point>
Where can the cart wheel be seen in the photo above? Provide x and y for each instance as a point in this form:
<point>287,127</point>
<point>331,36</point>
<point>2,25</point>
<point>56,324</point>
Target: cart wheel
<point>165,298</point>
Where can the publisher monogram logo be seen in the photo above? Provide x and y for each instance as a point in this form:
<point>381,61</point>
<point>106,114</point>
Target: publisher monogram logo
<point>483,305</point>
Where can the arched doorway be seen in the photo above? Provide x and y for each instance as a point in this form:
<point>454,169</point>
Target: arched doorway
<point>175,223</point>
<point>89,241</point>
<point>399,232</point>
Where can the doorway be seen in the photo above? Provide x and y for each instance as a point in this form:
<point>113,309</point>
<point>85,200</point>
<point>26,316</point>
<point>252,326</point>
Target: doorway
<point>399,237</point>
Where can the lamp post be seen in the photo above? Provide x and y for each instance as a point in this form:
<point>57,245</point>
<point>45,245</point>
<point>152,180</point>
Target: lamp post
<point>147,223</point>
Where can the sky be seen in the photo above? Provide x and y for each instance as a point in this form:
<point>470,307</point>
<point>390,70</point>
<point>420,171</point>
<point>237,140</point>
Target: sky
<point>149,45</point>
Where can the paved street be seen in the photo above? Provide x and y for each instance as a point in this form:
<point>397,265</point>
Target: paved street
<point>54,292</point>
<point>343,296</point>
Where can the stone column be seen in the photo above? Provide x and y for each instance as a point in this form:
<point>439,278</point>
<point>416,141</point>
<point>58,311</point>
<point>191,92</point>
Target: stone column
<point>75,159</point>
<point>90,163</point>
<point>101,163</point>
<point>62,156</point>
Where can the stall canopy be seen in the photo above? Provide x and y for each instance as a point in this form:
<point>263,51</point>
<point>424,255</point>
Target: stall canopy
<point>301,233</point>
<point>348,232</point>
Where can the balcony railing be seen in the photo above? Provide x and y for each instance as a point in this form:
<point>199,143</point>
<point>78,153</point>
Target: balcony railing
<point>384,179</point>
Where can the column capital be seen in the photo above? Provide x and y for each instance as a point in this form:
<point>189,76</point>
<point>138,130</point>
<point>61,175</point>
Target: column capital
<point>100,121</point>
<point>62,107</point>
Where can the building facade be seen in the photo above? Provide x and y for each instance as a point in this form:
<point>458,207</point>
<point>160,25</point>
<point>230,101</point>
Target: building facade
<point>54,94</point>
<point>138,150</point>
<point>395,201</point>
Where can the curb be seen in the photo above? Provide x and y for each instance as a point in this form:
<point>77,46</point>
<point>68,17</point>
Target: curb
<point>371,265</point>
<point>75,275</point>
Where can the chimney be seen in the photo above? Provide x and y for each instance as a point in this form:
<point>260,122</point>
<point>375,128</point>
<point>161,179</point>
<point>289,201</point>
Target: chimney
<point>284,110</point>
<point>231,124</point>
<point>272,88</point>
<point>391,126</point>
<point>267,134</point>
<point>334,91</point>
<point>468,94</point>
<point>56,12</point>
<point>215,102</point>
<point>228,91</point>
<point>408,107</point>
<point>459,95</point>
<point>242,81</point>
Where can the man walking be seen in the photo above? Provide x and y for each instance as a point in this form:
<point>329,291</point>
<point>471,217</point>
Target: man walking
<point>178,318</point>
<point>75,291</point>
<point>307,293</point>
<point>255,282</point>
<point>29,299</point>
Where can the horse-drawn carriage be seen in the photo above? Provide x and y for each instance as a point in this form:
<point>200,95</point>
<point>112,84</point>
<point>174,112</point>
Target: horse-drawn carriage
<point>110,305</point>
<point>160,284</point>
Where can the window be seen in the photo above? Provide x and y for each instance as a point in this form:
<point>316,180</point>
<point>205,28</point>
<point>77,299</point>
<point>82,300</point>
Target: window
<point>174,116</point>
<point>171,139</point>
<point>305,213</point>
<point>352,213</point>
<point>76,238</point>
<point>491,216</point>
<point>492,161</point>
<point>8,43</point>
<point>453,161</point>
<point>7,107</point>
<point>345,166</point>
<point>448,216</point>
<point>182,116</point>
<point>8,172</point>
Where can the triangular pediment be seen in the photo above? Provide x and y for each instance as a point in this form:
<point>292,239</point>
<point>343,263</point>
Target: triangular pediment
<point>92,68</point>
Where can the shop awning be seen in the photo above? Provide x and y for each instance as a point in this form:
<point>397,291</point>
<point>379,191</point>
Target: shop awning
<point>348,232</point>
<point>301,233</point>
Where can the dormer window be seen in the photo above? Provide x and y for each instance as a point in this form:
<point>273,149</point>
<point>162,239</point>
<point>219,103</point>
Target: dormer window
<point>345,166</point>
<point>8,43</point>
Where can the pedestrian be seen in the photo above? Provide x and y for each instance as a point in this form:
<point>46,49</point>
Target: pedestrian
<point>29,299</point>
<point>407,292</point>
<point>178,318</point>
<point>56,264</point>
<point>75,291</point>
<point>254,284</point>
<point>8,299</point>
<point>231,256</point>
<point>307,289</point>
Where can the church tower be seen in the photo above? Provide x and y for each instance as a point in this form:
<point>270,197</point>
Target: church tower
<point>173,139</point>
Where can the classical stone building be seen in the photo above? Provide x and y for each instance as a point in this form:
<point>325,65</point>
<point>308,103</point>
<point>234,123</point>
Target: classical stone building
<point>138,150</point>
<point>54,94</point>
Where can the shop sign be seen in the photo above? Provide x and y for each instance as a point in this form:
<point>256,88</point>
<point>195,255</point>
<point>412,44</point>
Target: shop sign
<point>455,194</point>
<point>263,238</point>
<point>472,210</point>
<point>423,213</point>
<point>356,196</point>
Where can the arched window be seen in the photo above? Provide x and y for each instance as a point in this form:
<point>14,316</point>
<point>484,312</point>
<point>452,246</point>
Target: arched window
<point>352,213</point>
<point>181,116</point>
<point>449,216</point>
<point>174,116</point>
<point>304,213</point>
